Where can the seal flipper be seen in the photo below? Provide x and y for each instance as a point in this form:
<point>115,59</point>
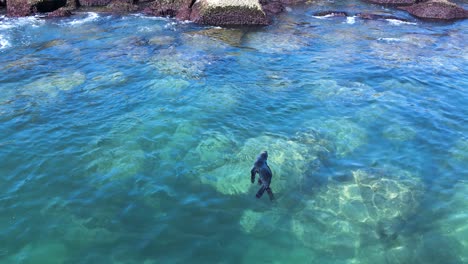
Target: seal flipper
<point>270,194</point>
<point>261,191</point>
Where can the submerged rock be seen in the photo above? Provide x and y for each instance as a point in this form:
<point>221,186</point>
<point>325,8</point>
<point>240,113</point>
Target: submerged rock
<point>53,252</point>
<point>288,160</point>
<point>331,14</point>
<point>437,9</point>
<point>460,150</point>
<point>373,204</point>
<point>454,223</point>
<point>173,62</point>
<point>389,192</point>
<point>226,12</point>
<point>53,84</point>
<point>346,135</point>
<point>371,16</point>
<point>230,36</point>
<point>259,223</point>
<point>397,132</point>
<point>117,155</point>
<point>273,42</point>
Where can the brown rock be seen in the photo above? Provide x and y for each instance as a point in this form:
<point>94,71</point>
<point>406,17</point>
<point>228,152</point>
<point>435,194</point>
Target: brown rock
<point>122,6</point>
<point>94,2</point>
<point>171,8</point>
<point>370,16</point>
<point>61,12</point>
<point>28,7</point>
<point>437,10</point>
<point>331,13</point>
<point>394,2</point>
<point>18,8</point>
<point>228,12</point>
<point>272,7</point>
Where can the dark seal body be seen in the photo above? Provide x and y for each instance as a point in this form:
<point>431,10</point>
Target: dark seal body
<point>261,167</point>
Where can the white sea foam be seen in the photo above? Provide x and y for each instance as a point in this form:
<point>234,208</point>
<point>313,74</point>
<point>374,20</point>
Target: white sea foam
<point>91,16</point>
<point>397,22</point>
<point>390,39</point>
<point>351,20</point>
<point>150,17</point>
<point>8,23</point>
<point>323,17</point>
<point>4,43</point>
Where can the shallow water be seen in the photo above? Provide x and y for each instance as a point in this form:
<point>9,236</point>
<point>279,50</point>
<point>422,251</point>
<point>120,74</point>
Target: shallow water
<point>130,140</point>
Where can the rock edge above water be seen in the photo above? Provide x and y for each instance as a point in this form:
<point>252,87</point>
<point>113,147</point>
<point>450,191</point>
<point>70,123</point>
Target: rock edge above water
<point>218,12</point>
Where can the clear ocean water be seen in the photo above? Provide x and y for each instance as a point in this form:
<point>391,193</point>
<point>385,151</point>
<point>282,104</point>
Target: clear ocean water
<point>129,139</point>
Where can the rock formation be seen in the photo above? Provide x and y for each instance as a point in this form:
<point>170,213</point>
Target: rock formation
<point>28,7</point>
<point>172,8</point>
<point>436,9</point>
<point>393,2</point>
<point>226,12</point>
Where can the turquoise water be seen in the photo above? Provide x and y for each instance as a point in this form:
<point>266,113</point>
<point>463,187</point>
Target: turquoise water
<point>129,139</point>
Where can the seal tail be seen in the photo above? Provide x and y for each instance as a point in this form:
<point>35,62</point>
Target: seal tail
<point>270,194</point>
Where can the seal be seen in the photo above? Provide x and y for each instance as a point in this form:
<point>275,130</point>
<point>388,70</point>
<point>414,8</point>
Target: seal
<point>261,167</point>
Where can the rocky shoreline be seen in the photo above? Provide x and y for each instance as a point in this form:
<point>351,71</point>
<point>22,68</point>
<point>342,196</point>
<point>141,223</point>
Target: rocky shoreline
<point>221,12</point>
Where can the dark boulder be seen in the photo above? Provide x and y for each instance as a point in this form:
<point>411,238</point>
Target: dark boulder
<point>61,12</point>
<point>18,8</point>
<point>170,8</point>
<point>272,7</point>
<point>331,13</point>
<point>436,10</point>
<point>94,2</point>
<point>370,16</point>
<point>122,6</point>
<point>28,7</point>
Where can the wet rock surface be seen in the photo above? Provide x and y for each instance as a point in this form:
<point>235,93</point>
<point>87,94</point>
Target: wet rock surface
<point>437,10</point>
<point>212,12</point>
<point>61,12</point>
<point>171,8</point>
<point>94,2</point>
<point>393,2</point>
<point>227,12</point>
